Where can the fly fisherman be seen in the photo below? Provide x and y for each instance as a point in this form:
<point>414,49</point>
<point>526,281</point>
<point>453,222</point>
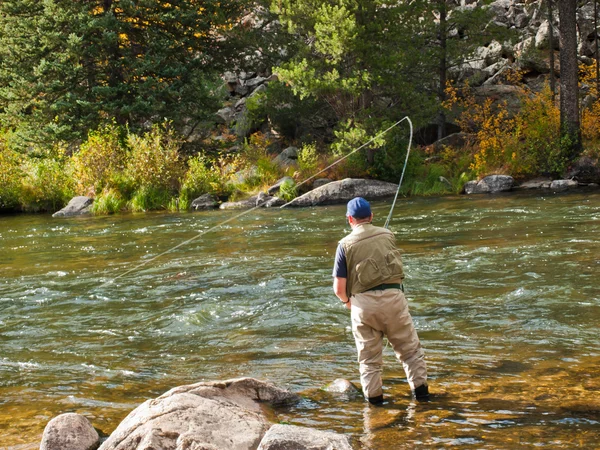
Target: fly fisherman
<point>367,278</point>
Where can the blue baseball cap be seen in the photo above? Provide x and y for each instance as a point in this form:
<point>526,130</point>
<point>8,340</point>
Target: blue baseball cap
<point>358,208</point>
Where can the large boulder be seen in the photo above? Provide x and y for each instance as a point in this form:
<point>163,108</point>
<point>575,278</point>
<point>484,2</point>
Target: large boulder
<point>490,185</point>
<point>205,201</point>
<point>536,183</point>
<point>288,157</point>
<point>563,185</point>
<point>342,191</point>
<point>76,207</point>
<point>70,432</point>
<point>290,437</point>
<point>210,415</point>
<point>585,170</point>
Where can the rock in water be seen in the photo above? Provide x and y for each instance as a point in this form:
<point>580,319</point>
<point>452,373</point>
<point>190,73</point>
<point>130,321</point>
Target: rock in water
<point>345,190</point>
<point>69,432</point>
<point>205,201</point>
<point>283,437</point>
<point>490,185</point>
<point>341,386</point>
<point>563,185</point>
<point>221,415</point>
<point>76,207</point>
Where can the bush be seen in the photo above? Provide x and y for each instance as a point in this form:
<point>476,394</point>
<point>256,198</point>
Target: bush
<point>100,158</point>
<point>203,176</point>
<point>10,176</point>
<point>154,164</point>
<point>109,201</point>
<point>48,183</point>
<point>149,198</point>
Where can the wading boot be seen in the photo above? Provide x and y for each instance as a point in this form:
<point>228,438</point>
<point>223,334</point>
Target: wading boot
<point>421,394</point>
<point>377,401</point>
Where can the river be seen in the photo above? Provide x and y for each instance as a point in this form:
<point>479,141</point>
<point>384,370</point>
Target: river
<point>504,291</point>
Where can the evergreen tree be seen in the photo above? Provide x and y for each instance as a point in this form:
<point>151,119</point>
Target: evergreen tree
<point>570,128</point>
<point>67,66</point>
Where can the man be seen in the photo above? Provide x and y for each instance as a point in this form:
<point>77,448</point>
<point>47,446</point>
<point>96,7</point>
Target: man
<point>367,278</point>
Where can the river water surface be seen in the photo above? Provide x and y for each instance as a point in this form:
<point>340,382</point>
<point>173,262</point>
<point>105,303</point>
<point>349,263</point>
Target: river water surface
<point>504,291</point>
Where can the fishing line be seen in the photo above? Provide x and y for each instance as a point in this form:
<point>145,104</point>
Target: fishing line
<point>259,203</point>
<point>360,148</point>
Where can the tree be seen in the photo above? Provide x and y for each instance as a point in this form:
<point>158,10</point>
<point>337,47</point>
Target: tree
<point>66,66</point>
<point>569,77</point>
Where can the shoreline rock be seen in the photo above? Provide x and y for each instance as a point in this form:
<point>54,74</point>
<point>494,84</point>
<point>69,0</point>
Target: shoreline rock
<point>70,431</point>
<point>220,415</point>
<point>337,192</point>
<point>77,206</point>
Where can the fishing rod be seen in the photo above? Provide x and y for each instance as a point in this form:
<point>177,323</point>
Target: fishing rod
<point>389,217</point>
<point>260,204</point>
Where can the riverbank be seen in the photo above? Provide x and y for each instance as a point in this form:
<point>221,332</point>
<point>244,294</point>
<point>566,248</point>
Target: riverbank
<point>485,275</point>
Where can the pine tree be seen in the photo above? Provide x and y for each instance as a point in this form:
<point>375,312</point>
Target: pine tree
<point>67,66</point>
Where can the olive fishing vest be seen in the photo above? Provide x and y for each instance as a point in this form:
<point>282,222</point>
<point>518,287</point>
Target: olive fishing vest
<point>371,259</point>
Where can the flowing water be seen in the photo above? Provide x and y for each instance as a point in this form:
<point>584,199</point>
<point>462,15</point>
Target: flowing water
<point>504,291</point>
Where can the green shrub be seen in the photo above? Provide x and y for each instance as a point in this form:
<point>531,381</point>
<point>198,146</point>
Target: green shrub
<point>100,158</point>
<point>154,164</point>
<point>308,160</point>
<point>150,198</point>
<point>48,183</point>
<point>202,177</point>
<point>10,176</point>
<point>109,201</point>
<point>287,190</point>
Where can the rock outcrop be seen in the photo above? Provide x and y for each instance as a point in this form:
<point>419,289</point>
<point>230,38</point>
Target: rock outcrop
<point>69,432</point>
<point>205,201</point>
<point>290,437</point>
<point>585,171</point>
<point>490,185</point>
<point>563,185</point>
<point>76,207</point>
<point>210,415</point>
<point>342,191</point>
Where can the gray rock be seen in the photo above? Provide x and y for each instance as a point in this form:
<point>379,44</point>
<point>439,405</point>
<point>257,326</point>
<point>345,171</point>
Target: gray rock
<point>275,188</point>
<point>490,185</point>
<point>470,187</point>
<point>76,207</point>
<point>255,82</point>
<point>521,20</point>
<point>226,114</point>
<point>241,204</point>
<point>230,77</point>
<point>290,437</point>
<point>241,89</point>
<point>341,386</point>
<point>69,432</point>
<point>585,170</point>
<point>205,201</point>
<point>542,37</point>
<point>342,191</point>
<point>274,202</point>
<point>537,183</point>
<point>563,185</point>
<point>287,158</point>
<point>213,415</point>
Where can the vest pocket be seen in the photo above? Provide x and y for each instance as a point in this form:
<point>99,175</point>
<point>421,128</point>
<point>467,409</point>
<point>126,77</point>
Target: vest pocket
<point>394,263</point>
<point>368,273</point>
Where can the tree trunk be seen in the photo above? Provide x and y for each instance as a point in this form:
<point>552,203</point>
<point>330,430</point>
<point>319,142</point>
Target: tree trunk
<point>569,99</point>
<point>442,36</point>
<point>596,49</point>
<point>551,45</point>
